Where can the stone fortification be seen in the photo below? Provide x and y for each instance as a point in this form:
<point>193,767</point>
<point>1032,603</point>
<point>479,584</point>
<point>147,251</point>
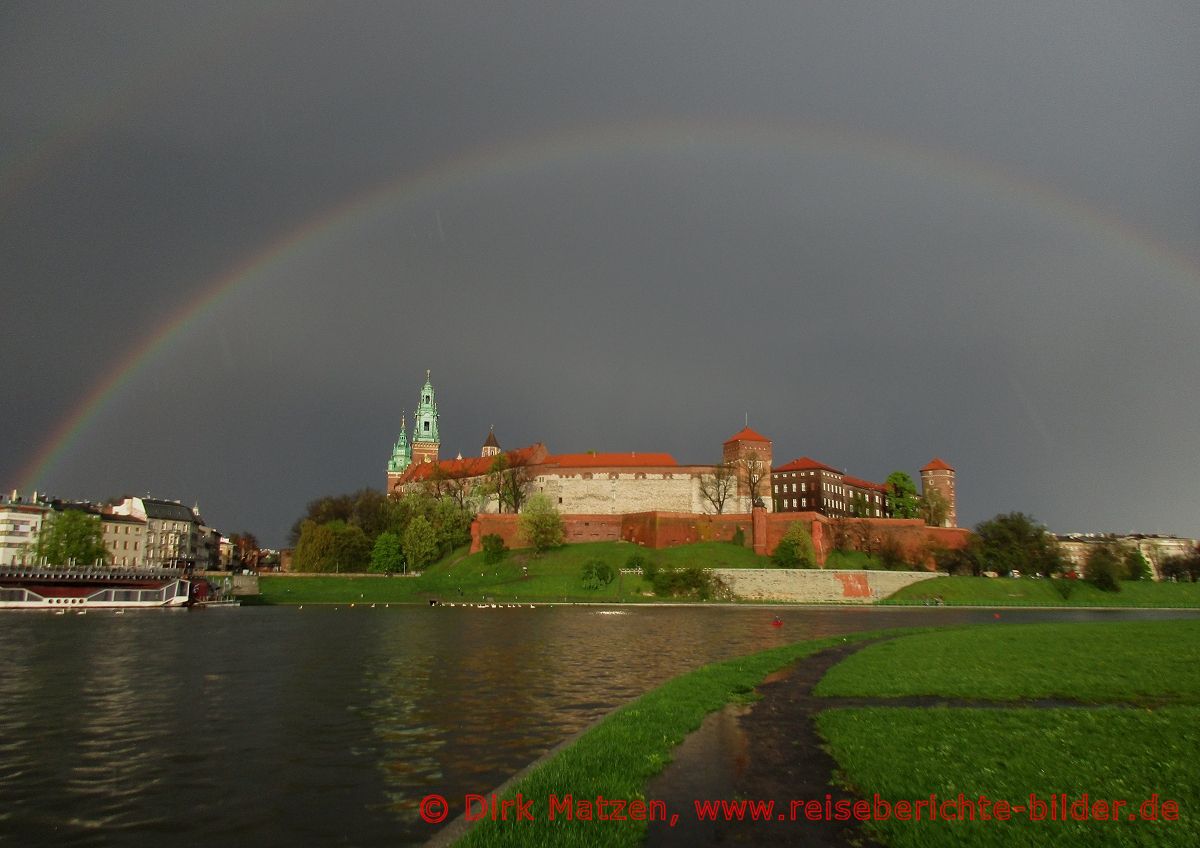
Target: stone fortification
<point>815,585</point>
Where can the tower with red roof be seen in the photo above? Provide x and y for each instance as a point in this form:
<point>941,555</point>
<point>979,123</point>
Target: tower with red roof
<point>939,475</point>
<point>749,454</point>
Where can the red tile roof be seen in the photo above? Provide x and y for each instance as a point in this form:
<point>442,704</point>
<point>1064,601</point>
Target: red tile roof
<point>805,463</point>
<point>936,464</point>
<point>610,460</point>
<point>863,484</point>
<point>472,466</point>
<point>747,435</point>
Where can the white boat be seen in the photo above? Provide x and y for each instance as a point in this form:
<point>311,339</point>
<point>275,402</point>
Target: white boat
<point>61,589</point>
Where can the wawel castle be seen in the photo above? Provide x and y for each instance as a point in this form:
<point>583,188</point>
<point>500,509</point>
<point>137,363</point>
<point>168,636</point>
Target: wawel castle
<point>621,483</point>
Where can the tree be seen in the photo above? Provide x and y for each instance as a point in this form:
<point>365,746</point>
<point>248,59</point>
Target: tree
<point>245,549</point>
<point>510,480</point>
<point>541,525</point>
<point>841,534</point>
<point>1104,567</point>
<point>334,546</point>
<point>366,508</point>
<point>1183,567</point>
<point>387,556</point>
<point>902,496</point>
<point>420,543</point>
<point>1135,566</point>
<point>795,549</point>
<point>1015,542</point>
<point>755,472</point>
<point>71,537</point>
<point>717,487</point>
<point>934,507</point>
<point>452,524</point>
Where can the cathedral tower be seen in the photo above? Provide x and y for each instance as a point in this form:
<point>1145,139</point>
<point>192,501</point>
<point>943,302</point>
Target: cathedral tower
<point>425,431</point>
<point>490,447</point>
<point>401,457</point>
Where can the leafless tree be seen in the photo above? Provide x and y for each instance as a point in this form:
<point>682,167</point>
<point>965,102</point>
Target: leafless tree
<point>718,486</point>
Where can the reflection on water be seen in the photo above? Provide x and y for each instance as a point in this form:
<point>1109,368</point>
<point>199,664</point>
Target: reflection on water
<point>327,726</point>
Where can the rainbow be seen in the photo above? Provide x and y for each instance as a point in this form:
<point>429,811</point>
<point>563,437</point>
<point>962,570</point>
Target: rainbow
<point>590,146</point>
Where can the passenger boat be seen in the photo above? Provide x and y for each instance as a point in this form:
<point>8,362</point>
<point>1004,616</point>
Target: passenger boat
<point>30,587</point>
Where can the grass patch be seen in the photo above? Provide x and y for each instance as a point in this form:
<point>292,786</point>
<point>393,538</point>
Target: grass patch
<point>1008,591</point>
<point>1109,752</point>
<point>555,576</point>
<point>618,756</point>
<point>1008,754</point>
<point>1126,660</point>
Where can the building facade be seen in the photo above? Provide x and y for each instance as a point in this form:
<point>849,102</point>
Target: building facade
<point>20,523</point>
<point>806,485</point>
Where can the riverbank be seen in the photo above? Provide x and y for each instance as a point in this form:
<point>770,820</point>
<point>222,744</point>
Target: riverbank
<point>1058,592</point>
<point>521,577</point>
<point>1115,715</point>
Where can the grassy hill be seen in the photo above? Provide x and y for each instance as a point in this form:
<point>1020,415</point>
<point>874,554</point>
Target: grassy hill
<point>520,576</point>
<point>1026,592</point>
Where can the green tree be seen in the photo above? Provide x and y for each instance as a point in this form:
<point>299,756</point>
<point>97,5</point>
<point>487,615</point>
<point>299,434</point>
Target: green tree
<point>902,496</point>
<point>795,549</point>
<point>1136,567</point>
<point>541,525</point>
<point>420,543</point>
<point>1015,542</point>
<point>334,546</point>
<point>366,509</point>
<point>1104,567</point>
<point>386,556</point>
<point>71,537</point>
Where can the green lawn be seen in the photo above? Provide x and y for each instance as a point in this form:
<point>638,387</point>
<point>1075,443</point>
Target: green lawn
<point>520,576</point>
<point>1127,660</point>
<point>1110,752</point>
<point>1025,591</point>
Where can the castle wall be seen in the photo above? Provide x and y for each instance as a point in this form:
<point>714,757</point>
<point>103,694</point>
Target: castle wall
<point>617,492</point>
<point>659,529</point>
<point>815,586</point>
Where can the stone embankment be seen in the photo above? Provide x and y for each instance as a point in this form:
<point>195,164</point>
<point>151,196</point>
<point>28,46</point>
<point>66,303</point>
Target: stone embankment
<point>816,586</point>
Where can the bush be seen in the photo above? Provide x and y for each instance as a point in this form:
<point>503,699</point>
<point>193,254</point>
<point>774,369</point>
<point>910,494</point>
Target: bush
<point>739,537</point>
<point>493,548</point>
<point>795,549</point>
<point>1104,568</point>
<point>687,582</point>
<point>597,574</point>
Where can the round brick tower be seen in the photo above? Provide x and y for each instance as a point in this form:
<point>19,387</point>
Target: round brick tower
<point>940,476</point>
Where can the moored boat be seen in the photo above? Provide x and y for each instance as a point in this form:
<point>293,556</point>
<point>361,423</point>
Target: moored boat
<point>30,587</point>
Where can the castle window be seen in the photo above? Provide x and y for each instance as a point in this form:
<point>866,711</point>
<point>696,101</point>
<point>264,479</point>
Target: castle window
<point>426,426</point>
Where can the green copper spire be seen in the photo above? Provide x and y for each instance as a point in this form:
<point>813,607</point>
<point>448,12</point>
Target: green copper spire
<point>427,415</point>
<point>402,452</point>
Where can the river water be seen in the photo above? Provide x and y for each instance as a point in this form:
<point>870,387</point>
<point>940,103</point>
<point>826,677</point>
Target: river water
<point>323,726</point>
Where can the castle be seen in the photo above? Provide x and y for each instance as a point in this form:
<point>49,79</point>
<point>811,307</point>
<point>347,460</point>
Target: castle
<point>610,484</point>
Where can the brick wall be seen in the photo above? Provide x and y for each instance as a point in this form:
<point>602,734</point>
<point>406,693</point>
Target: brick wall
<point>667,529</point>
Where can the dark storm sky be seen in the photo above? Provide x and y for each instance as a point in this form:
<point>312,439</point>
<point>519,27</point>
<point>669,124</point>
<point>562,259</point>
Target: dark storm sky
<point>884,231</point>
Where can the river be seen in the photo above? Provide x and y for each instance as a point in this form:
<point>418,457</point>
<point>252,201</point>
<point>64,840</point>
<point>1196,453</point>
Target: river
<point>326,726</point>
